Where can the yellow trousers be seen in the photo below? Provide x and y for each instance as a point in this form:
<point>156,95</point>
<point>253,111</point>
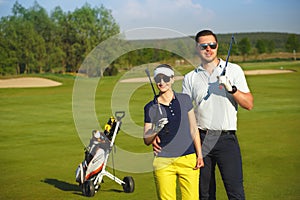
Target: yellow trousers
<point>166,172</point>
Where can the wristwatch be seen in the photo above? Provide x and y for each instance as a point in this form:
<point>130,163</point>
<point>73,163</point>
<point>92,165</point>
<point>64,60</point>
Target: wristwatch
<point>234,89</point>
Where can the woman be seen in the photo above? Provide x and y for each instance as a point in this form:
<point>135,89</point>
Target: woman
<point>170,119</point>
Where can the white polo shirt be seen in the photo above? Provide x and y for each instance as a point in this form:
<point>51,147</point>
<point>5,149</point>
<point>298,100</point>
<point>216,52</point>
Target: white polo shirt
<point>215,108</point>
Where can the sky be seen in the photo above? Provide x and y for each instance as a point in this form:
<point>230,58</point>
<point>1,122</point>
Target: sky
<point>187,17</point>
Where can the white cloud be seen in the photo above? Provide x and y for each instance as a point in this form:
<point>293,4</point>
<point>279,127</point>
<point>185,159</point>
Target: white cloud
<point>181,15</point>
<point>133,9</point>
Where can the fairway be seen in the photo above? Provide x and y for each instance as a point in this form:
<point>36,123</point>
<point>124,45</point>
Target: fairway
<point>40,148</point>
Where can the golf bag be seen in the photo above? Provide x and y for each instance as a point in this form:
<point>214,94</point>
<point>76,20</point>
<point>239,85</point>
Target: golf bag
<point>90,172</point>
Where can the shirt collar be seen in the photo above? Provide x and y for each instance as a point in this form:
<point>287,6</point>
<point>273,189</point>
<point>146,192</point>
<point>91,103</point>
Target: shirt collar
<point>221,65</point>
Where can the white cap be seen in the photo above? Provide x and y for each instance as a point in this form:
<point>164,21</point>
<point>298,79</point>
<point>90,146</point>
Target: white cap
<point>163,70</point>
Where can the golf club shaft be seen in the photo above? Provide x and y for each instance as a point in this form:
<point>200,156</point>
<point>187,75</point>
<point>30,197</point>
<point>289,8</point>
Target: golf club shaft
<point>229,50</point>
<point>148,74</point>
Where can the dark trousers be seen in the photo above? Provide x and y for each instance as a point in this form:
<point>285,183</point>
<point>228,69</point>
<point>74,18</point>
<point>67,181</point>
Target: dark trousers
<point>226,154</point>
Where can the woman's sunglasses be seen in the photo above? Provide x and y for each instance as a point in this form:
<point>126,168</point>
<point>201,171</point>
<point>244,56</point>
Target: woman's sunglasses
<point>212,45</point>
<point>158,79</point>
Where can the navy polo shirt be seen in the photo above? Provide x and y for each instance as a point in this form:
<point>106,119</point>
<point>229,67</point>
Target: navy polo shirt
<point>176,139</point>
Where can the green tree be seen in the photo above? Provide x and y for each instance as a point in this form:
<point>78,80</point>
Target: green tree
<point>261,46</point>
<point>55,50</point>
<point>7,57</point>
<point>270,46</point>
<point>26,43</point>
<point>82,31</point>
<point>33,42</point>
<point>292,43</point>
<point>244,47</point>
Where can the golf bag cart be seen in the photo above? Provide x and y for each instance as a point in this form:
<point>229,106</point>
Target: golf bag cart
<point>90,172</point>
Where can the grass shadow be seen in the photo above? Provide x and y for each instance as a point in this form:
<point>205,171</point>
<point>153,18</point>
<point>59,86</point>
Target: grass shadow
<point>69,187</point>
<point>112,190</point>
<point>62,185</point>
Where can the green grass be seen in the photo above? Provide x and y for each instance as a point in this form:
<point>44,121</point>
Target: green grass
<point>40,148</point>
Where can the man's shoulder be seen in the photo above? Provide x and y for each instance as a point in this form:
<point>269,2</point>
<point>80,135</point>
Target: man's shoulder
<point>235,68</point>
<point>190,74</point>
<point>234,65</point>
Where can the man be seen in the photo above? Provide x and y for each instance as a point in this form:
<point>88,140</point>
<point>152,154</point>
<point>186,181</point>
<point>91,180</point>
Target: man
<point>216,98</point>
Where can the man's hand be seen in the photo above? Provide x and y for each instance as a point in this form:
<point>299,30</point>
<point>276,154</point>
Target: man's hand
<point>155,145</point>
<point>199,163</point>
<point>160,124</point>
<point>223,80</point>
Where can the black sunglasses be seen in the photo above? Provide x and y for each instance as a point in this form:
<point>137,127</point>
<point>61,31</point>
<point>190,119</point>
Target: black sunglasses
<point>158,79</point>
<point>212,45</point>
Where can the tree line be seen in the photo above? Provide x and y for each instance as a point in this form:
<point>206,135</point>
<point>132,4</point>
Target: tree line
<point>33,41</point>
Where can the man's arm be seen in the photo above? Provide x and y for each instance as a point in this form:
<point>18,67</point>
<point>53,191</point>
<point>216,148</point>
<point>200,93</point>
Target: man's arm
<point>155,145</point>
<point>186,89</point>
<point>245,100</point>
<point>196,138</point>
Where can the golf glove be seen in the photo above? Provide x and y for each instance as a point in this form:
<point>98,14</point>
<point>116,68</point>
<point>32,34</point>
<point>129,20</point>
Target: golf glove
<point>159,125</point>
<point>223,80</point>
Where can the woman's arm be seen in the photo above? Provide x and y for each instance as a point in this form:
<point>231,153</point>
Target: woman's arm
<point>149,133</point>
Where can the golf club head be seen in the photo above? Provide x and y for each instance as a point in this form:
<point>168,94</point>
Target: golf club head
<point>147,72</point>
<point>233,39</point>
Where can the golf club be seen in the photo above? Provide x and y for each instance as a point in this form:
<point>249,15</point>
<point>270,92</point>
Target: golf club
<point>148,74</point>
<point>229,50</point>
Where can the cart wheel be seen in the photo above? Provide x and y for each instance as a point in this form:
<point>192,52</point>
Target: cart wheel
<point>128,187</point>
<point>88,188</point>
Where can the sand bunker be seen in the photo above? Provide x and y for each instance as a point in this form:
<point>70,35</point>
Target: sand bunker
<point>27,82</point>
<point>30,82</point>
<point>268,71</point>
<point>249,72</point>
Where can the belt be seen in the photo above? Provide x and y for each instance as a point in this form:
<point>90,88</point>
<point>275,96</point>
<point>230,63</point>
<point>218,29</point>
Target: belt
<point>223,132</point>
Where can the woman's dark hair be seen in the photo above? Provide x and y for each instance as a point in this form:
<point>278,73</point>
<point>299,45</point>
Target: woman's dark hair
<point>205,33</point>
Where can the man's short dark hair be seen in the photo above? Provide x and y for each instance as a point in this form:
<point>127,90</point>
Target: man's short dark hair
<point>205,33</point>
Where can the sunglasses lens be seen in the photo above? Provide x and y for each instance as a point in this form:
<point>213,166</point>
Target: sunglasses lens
<point>158,79</point>
<point>166,79</point>
<point>211,45</point>
<point>203,46</point>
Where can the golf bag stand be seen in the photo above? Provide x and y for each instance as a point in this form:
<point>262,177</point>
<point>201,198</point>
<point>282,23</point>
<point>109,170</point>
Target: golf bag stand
<point>91,171</point>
